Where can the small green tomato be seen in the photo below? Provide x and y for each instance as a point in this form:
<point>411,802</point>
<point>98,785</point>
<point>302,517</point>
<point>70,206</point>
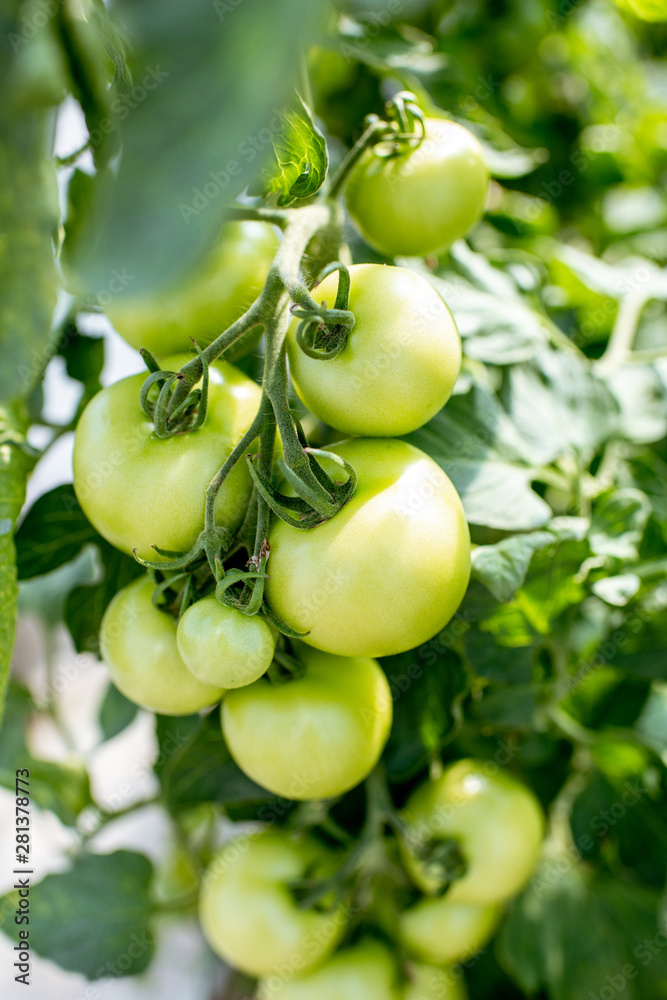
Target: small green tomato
<point>138,644</point>
<point>223,647</point>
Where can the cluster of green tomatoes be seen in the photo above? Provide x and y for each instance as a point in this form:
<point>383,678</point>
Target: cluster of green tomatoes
<point>307,718</point>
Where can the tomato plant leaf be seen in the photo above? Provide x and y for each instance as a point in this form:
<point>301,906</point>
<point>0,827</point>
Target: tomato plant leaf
<point>194,764</point>
<point>641,395</point>
<point>84,358</point>
<point>578,937</point>
<point>64,789</point>
<point>618,523</point>
<point>116,712</point>
<point>300,160</point>
<point>29,213</point>
<point>427,685</point>
<point>65,923</point>
<point>15,464</point>
<point>85,605</point>
<point>502,567</point>
<point>53,532</point>
<point>496,325</point>
<point>199,68</point>
<point>478,447</point>
<point>558,405</point>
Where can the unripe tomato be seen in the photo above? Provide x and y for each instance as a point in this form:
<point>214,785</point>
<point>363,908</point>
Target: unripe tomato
<point>428,982</point>
<point>138,644</point>
<point>385,573</point>
<point>138,490</point>
<point>365,971</point>
<point>443,932</point>
<point>250,917</point>
<point>208,299</point>
<point>223,647</point>
<point>497,822</point>
<point>314,736</point>
<point>423,199</point>
<point>400,362</point>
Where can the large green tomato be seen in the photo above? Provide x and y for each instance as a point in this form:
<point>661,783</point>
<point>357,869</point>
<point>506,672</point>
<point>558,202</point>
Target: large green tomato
<point>207,301</point>
<point>428,982</point>
<point>422,200</point>
<point>223,647</point>
<point>442,932</point>
<point>365,971</point>
<point>250,917</point>
<point>314,736</point>
<point>400,362</point>
<point>138,644</point>
<point>385,573</point>
<point>497,822</point>
<point>138,490</point>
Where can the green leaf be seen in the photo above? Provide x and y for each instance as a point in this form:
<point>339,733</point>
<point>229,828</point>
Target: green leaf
<point>497,661</point>
<point>502,567</point>
<point>94,918</point>
<point>513,162</point>
<point>15,463</point>
<point>427,686</point>
<point>640,648</point>
<point>194,765</point>
<point>62,788</point>
<point>300,158</point>
<point>84,357</point>
<point>496,325</point>
<point>512,707</point>
<point>53,532</point>
<point>617,590</point>
<point>478,447</point>
<point>622,818</point>
<point>28,217</point>
<point>581,938</point>
<point>116,712</point>
<point>90,74</point>
<point>613,280</point>
<point>618,524</point>
<point>557,935</point>
<point>216,72</point>
<point>558,405</point>
<point>85,605</point>
<point>642,398</point>
<point>553,583</point>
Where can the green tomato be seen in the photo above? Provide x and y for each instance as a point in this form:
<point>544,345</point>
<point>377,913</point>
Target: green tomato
<point>429,982</point>
<point>250,917</point>
<point>442,932</point>
<point>314,736</point>
<point>497,822</point>
<point>138,644</point>
<point>223,647</point>
<point>385,573</point>
<point>138,490</point>
<point>400,362</point>
<point>365,971</point>
<point>422,200</point>
<point>208,300</point>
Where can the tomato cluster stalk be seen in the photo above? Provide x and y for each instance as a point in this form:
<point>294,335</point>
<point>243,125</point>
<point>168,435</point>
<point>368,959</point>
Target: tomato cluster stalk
<point>180,403</point>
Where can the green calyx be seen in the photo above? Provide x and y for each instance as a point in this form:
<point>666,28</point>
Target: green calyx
<point>322,333</point>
